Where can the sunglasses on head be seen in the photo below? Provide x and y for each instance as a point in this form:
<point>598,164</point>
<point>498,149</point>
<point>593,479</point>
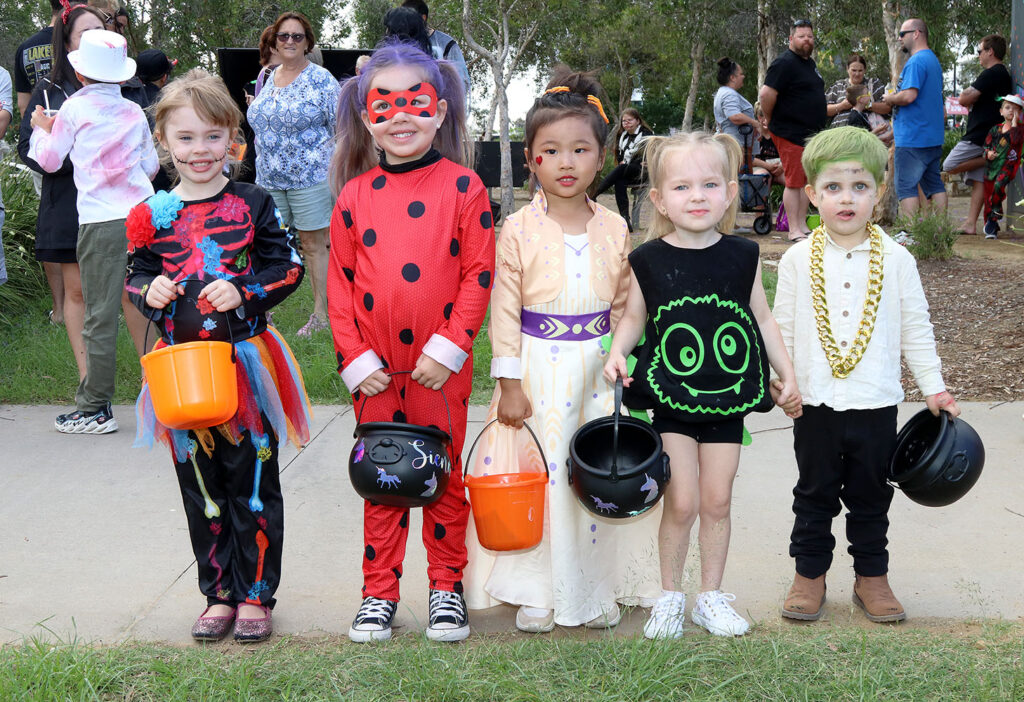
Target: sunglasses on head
<point>802,23</point>
<point>295,37</point>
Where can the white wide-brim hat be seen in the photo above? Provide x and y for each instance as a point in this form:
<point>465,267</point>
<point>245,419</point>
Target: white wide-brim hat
<point>102,56</point>
<point>1015,99</point>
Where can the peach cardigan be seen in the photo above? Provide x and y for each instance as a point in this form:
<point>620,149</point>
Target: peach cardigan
<point>531,267</point>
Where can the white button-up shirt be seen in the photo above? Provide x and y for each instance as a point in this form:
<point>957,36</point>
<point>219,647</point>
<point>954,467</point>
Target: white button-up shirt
<point>902,325</point>
<point>111,148</point>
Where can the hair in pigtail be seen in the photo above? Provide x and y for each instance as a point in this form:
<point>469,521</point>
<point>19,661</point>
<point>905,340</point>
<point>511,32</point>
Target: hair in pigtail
<point>658,150</point>
<point>355,152</point>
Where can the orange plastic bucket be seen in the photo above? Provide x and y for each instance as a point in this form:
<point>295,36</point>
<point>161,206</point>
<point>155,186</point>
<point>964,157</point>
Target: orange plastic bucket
<point>192,385</point>
<point>508,508</point>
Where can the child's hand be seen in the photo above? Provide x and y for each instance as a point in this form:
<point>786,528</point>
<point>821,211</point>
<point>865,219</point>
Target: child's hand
<point>222,295</point>
<point>429,373</point>
<point>616,368</point>
<point>942,401</point>
<point>787,396</point>
<point>39,119</point>
<point>162,291</point>
<point>990,154</point>
<point>376,383</point>
<point>514,406</point>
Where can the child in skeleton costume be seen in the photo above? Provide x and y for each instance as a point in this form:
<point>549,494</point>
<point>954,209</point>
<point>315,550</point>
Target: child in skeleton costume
<point>696,297</point>
<point>560,285</point>
<point>412,256</point>
<point>207,261</point>
<point>848,301</point>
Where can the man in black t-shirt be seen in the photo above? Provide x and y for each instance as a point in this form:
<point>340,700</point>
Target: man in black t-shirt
<point>967,157</point>
<point>32,59</point>
<point>793,100</point>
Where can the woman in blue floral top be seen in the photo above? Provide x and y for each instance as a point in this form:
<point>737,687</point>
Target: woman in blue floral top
<point>293,119</point>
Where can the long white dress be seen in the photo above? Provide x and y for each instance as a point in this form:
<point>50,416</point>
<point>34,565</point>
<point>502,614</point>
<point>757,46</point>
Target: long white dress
<point>584,563</point>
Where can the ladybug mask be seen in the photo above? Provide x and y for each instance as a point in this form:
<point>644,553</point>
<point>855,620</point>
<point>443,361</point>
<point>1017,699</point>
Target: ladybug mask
<point>419,101</point>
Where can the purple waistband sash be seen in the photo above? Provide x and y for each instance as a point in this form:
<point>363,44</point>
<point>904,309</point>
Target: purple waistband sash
<point>566,327</point>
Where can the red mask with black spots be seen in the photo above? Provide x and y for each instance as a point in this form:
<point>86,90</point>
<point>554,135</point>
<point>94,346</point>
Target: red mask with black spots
<point>419,101</point>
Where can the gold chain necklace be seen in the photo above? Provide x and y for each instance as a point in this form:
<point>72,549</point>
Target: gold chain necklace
<point>842,365</point>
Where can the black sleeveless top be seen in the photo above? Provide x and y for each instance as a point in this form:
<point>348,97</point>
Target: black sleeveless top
<point>702,357</point>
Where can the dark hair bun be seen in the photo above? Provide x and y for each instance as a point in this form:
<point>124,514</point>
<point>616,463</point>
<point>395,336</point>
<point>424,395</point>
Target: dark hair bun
<point>580,83</point>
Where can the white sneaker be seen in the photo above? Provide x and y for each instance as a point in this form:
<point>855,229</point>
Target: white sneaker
<point>535,620</point>
<point>714,613</point>
<point>667,617</point>
<point>611,616</point>
<point>449,620</point>
<point>373,621</point>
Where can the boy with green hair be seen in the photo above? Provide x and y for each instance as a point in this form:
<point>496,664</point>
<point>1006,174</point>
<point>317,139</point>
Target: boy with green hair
<point>848,300</point>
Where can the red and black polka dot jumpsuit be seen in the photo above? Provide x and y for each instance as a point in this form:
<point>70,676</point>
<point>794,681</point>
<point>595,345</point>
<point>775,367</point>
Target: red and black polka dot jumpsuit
<point>412,259</point>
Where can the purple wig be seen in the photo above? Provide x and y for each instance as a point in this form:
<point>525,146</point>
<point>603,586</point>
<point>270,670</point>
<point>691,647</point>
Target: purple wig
<point>355,152</point>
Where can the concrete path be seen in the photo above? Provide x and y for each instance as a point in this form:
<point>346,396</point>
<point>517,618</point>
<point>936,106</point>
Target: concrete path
<point>94,546</point>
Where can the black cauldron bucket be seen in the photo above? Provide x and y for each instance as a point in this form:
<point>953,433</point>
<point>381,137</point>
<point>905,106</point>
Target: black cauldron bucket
<point>617,467</point>
<point>937,459</point>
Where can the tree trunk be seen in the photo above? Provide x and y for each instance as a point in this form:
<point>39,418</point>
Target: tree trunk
<point>767,42</point>
<point>888,208</point>
<point>492,111</point>
<point>696,57</point>
<point>508,198</point>
<point>625,83</point>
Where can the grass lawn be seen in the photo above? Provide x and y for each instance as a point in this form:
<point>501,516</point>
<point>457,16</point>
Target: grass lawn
<point>788,663</point>
<point>37,366</point>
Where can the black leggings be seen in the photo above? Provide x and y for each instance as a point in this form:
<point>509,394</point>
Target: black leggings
<point>622,176</point>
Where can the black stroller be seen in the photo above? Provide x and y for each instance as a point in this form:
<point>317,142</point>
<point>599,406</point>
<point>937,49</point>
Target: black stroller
<point>755,188</point>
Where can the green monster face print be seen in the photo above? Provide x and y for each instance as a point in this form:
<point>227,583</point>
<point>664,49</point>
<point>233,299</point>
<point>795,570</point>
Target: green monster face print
<point>709,359</point>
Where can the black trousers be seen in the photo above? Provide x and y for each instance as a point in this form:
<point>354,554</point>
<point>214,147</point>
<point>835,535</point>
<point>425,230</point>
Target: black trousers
<point>621,177</point>
<point>235,517</point>
<point>842,456</point>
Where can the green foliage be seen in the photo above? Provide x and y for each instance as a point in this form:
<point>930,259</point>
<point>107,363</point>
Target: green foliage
<point>26,281</point>
<point>816,663</point>
<point>662,112</point>
<point>950,139</point>
<point>932,235</point>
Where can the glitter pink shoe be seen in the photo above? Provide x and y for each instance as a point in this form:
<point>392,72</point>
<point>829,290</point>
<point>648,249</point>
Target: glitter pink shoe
<point>212,628</point>
<point>249,630</point>
<point>313,325</point>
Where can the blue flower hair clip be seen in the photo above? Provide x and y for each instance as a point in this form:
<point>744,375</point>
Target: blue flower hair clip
<point>165,206</point>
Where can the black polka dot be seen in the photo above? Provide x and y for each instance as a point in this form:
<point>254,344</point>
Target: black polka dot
<point>411,272</point>
<point>405,336</point>
<point>453,569</point>
<point>355,396</point>
<point>485,220</point>
<point>448,310</point>
<point>355,322</point>
<point>347,216</point>
<point>370,552</point>
<point>465,402</point>
<point>380,119</point>
<point>398,416</point>
<point>382,91</point>
<point>369,237</point>
<point>401,102</point>
<point>349,273</point>
<point>368,301</point>
<point>462,183</point>
<point>484,279</point>
<point>401,393</point>
<point>415,88</point>
<point>424,113</point>
<point>384,361</point>
<point>341,361</point>
<point>416,208</point>
<point>457,587</point>
<point>453,247</point>
<point>379,182</point>
<point>397,572</point>
<point>439,531</point>
<point>469,333</point>
<point>404,521</point>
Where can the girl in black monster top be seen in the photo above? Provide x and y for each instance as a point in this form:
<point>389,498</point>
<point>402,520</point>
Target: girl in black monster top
<point>209,255</point>
<point>696,296</point>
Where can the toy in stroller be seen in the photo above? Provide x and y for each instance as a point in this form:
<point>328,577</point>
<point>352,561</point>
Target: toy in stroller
<point>755,188</point>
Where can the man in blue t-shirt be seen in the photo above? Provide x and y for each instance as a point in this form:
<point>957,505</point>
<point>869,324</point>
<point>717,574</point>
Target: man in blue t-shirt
<point>918,122</point>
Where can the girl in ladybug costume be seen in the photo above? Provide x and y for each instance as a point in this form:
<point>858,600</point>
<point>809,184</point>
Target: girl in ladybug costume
<point>412,258</point>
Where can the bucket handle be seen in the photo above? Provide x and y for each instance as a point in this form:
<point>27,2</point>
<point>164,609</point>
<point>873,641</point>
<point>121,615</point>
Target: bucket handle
<point>152,314</point>
<point>447,408</point>
<point>469,458</point>
<point>614,477</point>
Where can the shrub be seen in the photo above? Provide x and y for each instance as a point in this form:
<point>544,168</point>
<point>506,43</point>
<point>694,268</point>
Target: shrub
<point>931,235</point>
<point>25,278</point>
<point>951,138</point>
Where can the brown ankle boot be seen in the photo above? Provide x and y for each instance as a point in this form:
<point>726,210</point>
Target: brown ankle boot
<point>805,599</point>
<point>874,596</point>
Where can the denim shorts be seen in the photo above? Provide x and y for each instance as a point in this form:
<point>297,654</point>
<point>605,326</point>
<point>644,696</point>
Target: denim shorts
<point>305,209</point>
<point>918,165</point>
